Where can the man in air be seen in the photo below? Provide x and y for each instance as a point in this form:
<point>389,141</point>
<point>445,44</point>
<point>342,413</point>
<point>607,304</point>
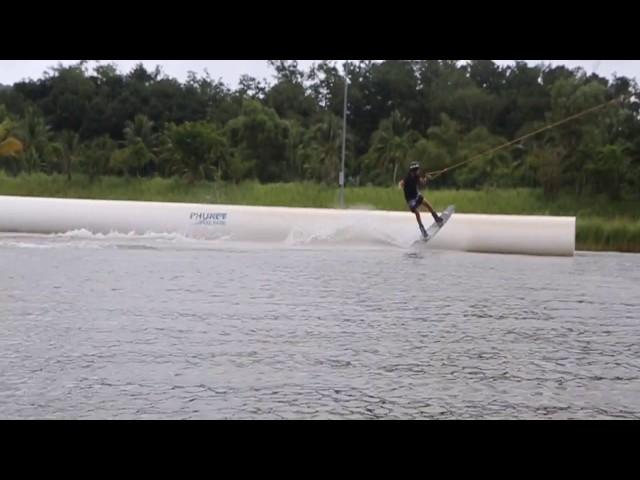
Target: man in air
<point>414,198</point>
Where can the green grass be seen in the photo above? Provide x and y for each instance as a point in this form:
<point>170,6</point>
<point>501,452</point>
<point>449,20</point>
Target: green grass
<point>599,234</point>
<point>601,223</point>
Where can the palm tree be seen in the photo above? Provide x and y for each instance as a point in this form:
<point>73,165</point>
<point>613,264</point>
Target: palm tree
<point>324,142</point>
<point>391,144</point>
<point>9,145</point>
<point>96,155</point>
<point>295,149</point>
<point>447,135</point>
<point>139,146</point>
<point>141,128</point>
<point>69,142</point>
<point>35,135</point>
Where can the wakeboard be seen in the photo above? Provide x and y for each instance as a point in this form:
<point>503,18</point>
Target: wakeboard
<point>433,230</point>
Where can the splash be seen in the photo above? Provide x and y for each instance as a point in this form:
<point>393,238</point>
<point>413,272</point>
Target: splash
<point>346,233</point>
<point>363,232</point>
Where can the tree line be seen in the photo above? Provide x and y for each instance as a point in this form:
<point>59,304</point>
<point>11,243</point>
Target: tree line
<point>100,121</point>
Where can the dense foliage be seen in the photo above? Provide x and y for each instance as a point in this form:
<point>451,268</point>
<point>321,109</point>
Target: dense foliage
<point>99,121</point>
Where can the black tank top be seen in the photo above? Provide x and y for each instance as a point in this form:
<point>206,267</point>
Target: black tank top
<point>410,187</point>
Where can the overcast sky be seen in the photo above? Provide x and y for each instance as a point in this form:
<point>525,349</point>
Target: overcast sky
<point>230,71</point>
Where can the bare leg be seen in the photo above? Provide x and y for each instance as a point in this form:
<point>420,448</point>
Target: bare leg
<point>422,229</point>
<point>430,208</point>
<point>426,203</point>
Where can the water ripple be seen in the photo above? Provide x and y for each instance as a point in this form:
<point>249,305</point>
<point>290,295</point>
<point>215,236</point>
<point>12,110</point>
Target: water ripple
<point>139,332</point>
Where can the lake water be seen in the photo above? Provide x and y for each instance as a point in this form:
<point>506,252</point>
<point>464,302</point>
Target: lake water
<point>167,327</point>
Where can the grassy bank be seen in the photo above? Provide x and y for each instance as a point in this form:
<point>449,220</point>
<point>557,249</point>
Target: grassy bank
<point>601,224</point>
<point>622,235</point>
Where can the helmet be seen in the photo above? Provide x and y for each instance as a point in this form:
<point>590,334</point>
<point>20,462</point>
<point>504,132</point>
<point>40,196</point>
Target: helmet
<point>414,166</point>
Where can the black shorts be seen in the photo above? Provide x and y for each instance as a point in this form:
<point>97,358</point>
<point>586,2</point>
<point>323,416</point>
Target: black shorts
<point>415,203</point>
